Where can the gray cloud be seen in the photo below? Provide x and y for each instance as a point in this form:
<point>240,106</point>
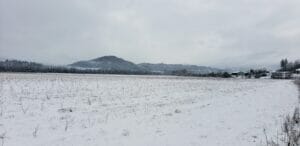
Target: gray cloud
<point>204,32</point>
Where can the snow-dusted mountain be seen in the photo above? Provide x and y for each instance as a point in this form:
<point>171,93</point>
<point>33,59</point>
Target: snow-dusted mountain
<point>115,63</point>
<point>107,63</point>
<point>168,68</point>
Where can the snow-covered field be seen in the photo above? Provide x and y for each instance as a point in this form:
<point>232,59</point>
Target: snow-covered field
<point>111,110</point>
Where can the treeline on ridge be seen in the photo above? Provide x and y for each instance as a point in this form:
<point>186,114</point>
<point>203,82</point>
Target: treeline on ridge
<point>32,67</point>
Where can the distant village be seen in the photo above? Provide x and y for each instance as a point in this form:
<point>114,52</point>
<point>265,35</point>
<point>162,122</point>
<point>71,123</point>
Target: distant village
<point>288,70</point>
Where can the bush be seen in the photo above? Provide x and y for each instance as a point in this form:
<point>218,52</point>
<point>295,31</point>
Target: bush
<point>290,128</point>
<point>226,75</point>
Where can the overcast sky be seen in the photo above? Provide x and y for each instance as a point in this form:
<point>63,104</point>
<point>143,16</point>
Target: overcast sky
<point>203,32</point>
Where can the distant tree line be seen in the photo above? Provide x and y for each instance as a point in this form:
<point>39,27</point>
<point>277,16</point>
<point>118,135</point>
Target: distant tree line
<point>257,73</point>
<point>32,67</point>
<point>184,72</point>
<point>24,66</point>
<point>285,65</point>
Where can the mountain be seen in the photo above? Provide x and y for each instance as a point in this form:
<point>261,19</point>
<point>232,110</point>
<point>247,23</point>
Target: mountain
<point>107,63</point>
<point>169,68</point>
<point>118,64</point>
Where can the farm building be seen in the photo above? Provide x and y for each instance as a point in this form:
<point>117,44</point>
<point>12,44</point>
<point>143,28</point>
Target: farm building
<point>296,75</point>
<point>281,75</point>
<point>298,71</point>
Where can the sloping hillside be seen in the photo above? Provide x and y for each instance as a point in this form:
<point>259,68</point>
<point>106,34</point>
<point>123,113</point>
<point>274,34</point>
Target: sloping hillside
<point>107,63</point>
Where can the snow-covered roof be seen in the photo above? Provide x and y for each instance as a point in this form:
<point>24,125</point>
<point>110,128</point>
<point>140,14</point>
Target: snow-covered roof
<point>298,69</point>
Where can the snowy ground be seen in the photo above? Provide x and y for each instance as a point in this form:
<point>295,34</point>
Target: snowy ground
<point>107,110</point>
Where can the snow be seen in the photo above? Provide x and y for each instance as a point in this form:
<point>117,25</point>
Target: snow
<point>113,110</point>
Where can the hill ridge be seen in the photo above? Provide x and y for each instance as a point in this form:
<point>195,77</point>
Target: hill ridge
<point>115,63</point>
